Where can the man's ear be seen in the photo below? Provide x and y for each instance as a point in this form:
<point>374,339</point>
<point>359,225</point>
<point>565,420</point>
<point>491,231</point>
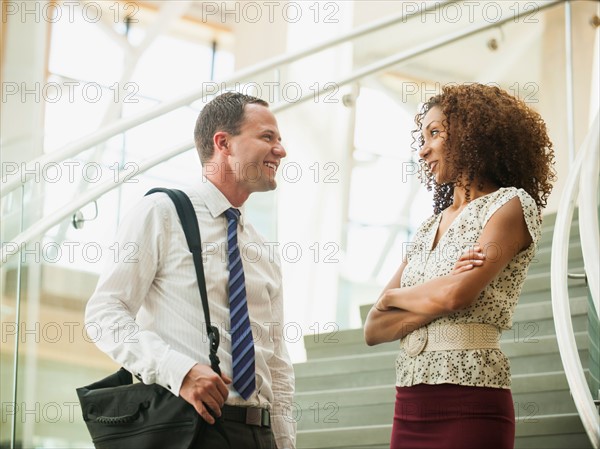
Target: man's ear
<point>221,142</point>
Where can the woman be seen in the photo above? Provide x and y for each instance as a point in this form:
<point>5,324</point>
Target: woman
<point>489,160</point>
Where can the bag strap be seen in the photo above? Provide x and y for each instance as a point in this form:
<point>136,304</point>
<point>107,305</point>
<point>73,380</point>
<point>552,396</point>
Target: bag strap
<point>189,222</point>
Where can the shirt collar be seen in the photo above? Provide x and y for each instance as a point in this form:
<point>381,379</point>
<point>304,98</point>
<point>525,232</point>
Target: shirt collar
<point>215,201</point>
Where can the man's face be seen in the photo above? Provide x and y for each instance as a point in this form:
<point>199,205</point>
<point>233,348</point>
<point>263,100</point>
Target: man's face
<point>256,152</point>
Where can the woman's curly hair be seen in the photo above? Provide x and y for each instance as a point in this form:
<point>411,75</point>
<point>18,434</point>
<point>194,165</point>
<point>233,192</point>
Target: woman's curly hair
<point>492,136</point>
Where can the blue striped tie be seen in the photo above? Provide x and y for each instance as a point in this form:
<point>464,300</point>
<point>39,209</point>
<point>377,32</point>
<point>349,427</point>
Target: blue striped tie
<point>242,345</point>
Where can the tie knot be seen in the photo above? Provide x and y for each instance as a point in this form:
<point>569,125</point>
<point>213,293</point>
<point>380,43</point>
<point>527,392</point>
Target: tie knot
<point>232,214</point>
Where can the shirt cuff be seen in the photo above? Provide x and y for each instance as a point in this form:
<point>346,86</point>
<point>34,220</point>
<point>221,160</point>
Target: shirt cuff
<point>172,370</point>
<point>284,443</point>
<point>284,432</point>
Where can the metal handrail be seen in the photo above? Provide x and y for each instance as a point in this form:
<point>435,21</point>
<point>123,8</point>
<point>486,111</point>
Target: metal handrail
<point>124,124</point>
<point>560,294</point>
<point>42,225</point>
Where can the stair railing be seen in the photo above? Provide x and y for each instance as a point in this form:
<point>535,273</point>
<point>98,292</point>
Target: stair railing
<point>565,335</point>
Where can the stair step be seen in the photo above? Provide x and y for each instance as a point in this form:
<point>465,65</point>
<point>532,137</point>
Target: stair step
<point>355,380</point>
<point>521,383</point>
<point>548,220</point>
<point>536,290</point>
<point>331,414</point>
<point>346,437</point>
<point>547,237</point>
<point>375,405</point>
<point>578,440</point>
<point>535,363</point>
<point>538,354</point>
<point>538,399</point>
<point>542,310</point>
<point>531,329</point>
<point>530,321</point>
<point>540,345</point>
<point>540,282</point>
<point>548,230</point>
<point>341,365</point>
<point>369,362</point>
<point>553,431</point>
<point>541,260</point>
<point>558,424</point>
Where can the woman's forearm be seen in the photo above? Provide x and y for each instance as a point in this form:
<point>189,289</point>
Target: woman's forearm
<point>437,297</point>
<point>392,324</point>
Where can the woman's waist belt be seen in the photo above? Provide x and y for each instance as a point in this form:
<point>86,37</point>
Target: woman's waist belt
<point>451,337</point>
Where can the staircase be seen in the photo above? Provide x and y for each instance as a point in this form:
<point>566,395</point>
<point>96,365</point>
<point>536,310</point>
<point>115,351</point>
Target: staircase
<point>345,390</point>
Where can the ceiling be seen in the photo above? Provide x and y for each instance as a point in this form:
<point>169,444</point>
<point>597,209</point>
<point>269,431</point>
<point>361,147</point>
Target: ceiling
<point>508,54</point>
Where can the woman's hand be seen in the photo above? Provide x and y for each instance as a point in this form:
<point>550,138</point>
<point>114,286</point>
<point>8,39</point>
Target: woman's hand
<point>471,258</point>
<point>381,305</point>
<point>388,323</point>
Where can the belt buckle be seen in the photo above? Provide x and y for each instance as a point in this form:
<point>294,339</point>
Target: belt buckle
<point>415,342</point>
<point>254,416</point>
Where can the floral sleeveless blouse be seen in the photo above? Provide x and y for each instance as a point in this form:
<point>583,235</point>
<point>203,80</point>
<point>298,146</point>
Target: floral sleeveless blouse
<point>495,305</point>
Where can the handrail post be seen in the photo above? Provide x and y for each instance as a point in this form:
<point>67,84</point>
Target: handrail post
<point>569,84</point>
<point>13,423</point>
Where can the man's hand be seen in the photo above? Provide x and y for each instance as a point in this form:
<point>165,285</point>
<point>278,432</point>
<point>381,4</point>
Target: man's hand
<point>470,259</point>
<point>204,389</point>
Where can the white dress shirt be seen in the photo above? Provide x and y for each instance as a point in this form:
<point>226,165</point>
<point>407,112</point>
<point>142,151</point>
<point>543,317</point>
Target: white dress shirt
<point>148,306</point>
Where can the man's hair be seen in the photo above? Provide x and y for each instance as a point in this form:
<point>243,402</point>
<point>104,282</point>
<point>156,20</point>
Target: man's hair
<point>223,113</point>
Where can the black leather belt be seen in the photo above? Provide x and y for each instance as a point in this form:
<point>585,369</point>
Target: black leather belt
<point>254,416</point>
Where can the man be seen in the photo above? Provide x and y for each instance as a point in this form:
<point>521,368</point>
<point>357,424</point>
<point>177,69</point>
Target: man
<point>240,149</point>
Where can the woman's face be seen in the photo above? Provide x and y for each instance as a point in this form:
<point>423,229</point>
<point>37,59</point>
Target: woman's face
<point>433,150</point>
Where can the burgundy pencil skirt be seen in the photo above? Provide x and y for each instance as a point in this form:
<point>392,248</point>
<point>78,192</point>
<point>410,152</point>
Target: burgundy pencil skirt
<point>448,416</point>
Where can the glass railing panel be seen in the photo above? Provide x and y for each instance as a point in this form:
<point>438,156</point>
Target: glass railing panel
<point>594,349</point>
<point>594,341</point>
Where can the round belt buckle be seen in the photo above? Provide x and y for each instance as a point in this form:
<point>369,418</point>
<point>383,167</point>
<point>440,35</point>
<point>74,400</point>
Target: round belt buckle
<point>415,342</point>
